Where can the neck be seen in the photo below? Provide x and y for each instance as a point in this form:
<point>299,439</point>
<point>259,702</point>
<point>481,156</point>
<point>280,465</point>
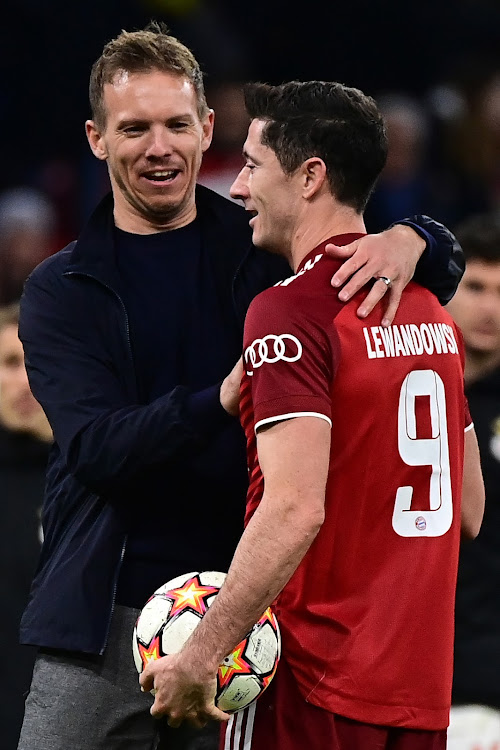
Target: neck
<point>478,364</point>
<point>330,222</point>
<point>137,219</point>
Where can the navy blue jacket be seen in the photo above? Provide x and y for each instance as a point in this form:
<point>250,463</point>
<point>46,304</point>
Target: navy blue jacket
<point>74,329</point>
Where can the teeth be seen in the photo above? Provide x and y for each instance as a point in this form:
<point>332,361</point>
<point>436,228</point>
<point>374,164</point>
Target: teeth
<point>162,175</point>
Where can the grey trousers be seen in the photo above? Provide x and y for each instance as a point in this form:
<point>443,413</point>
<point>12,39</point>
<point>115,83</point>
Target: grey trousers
<point>79,702</point>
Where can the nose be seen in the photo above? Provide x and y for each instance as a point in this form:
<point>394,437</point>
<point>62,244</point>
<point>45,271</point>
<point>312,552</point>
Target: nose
<point>159,143</point>
<point>239,188</point>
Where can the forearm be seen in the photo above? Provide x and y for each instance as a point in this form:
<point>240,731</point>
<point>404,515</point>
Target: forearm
<point>87,387</point>
<point>270,550</point>
<point>120,444</point>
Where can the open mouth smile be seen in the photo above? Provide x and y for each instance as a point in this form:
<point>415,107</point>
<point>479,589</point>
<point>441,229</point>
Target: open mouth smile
<point>161,176</point>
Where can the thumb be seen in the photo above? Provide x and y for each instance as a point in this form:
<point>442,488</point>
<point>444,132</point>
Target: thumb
<point>344,251</point>
<point>216,714</point>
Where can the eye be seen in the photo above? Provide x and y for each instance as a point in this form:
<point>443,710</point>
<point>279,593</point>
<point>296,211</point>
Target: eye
<point>134,129</point>
<point>474,286</point>
<point>180,125</point>
<point>249,166</point>
<point>12,362</point>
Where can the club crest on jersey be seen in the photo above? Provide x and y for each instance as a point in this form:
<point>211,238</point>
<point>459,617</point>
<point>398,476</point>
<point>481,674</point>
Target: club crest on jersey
<point>271,349</point>
<point>421,523</point>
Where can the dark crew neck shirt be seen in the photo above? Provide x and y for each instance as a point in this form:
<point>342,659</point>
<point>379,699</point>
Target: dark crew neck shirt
<point>179,336</point>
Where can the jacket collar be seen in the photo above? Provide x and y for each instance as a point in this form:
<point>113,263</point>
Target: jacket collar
<point>94,251</point>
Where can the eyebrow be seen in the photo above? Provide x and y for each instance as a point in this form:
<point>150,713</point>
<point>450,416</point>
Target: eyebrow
<point>145,121</point>
<point>246,155</point>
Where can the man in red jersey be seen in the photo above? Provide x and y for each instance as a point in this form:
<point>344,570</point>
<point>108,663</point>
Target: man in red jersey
<point>356,450</point>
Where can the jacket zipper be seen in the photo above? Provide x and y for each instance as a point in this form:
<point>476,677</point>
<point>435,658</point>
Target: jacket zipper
<point>113,598</point>
<point>124,545</point>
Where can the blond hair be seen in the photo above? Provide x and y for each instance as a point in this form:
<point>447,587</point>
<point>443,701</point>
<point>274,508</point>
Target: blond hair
<point>152,48</point>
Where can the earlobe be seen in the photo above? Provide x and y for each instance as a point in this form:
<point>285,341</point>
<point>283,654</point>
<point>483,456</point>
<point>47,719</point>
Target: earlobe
<point>96,141</point>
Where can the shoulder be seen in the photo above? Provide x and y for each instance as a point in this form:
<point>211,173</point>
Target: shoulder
<point>303,288</point>
<point>49,293</point>
<point>52,268</point>
<point>306,296</point>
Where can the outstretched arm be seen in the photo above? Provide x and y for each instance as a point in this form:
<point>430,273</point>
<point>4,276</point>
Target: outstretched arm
<point>418,248</point>
<point>294,458</point>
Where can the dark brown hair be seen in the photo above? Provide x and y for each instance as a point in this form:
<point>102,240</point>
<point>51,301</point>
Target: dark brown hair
<point>479,236</point>
<point>340,125</point>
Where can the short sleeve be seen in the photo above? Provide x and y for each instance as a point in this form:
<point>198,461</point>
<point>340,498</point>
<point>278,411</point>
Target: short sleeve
<point>288,358</point>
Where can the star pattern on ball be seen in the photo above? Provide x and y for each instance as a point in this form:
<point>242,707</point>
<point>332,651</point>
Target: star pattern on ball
<point>191,595</point>
<point>267,617</point>
<point>233,664</point>
<point>149,653</point>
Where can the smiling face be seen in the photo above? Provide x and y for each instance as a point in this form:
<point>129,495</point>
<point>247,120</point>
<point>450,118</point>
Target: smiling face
<point>476,307</point>
<point>153,142</point>
<point>268,193</point>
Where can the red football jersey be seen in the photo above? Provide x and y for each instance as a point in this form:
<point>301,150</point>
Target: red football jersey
<point>367,618</point>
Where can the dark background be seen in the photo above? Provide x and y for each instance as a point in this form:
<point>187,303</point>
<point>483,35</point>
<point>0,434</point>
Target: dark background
<point>48,46</point>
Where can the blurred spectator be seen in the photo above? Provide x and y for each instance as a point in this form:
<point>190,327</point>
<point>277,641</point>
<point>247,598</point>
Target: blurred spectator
<point>27,227</point>
<point>25,437</point>
<point>412,181</point>
<point>475,715</point>
<point>223,160</point>
<point>474,139</point>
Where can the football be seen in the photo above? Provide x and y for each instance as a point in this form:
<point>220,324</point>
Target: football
<point>173,612</point>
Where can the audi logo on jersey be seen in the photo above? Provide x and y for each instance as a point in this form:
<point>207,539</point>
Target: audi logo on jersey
<point>272,348</point>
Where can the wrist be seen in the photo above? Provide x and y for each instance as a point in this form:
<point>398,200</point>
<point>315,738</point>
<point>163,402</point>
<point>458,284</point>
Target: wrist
<point>198,661</point>
<point>411,237</point>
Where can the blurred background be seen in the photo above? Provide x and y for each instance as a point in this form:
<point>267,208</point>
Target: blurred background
<point>433,65</point>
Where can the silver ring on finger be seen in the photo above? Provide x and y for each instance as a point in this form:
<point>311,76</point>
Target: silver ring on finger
<point>387,281</point>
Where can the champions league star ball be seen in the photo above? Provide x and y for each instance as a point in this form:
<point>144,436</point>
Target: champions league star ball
<point>173,612</point>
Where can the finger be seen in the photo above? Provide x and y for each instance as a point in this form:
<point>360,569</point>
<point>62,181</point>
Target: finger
<point>215,714</point>
<point>146,680</point>
<point>341,251</point>
<point>392,308</point>
<point>373,297</point>
<point>355,283</point>
<point>350,267</point>
<point>174,722</point>
<point>157,709</point>
<point>197,720</point>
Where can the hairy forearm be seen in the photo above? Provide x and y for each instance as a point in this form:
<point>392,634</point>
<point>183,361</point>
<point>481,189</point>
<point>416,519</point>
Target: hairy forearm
<point>271,548</point>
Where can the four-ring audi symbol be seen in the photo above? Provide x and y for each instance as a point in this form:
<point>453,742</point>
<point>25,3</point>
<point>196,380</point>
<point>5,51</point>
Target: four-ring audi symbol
<point>272,349</point>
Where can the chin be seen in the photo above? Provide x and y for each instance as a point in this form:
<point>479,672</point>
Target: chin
<point>264,243</point>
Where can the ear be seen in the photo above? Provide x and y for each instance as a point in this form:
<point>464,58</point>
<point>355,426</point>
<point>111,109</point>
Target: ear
<point>208,130</point>
<point>96,140</point>
<point>313,176</point>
